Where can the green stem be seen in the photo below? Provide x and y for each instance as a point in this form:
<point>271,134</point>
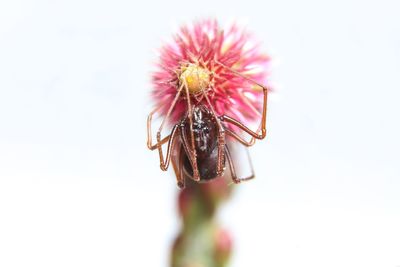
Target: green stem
<point>202,242</point>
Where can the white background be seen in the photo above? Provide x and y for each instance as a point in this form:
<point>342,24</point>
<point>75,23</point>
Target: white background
<point>78,186</point>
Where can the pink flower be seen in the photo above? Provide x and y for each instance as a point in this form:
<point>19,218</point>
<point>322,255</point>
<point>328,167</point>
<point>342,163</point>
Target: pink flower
<point>201,54</point>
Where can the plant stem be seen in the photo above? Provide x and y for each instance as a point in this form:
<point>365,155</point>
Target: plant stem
<point>201,241</point>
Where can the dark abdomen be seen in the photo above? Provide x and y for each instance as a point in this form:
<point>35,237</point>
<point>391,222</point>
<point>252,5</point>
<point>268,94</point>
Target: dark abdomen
<point>204,131</point>
<point>207,165</point>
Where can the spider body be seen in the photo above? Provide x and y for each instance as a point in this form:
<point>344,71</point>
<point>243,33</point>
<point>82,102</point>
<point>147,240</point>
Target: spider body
<point>205,131</point>
<point>197,145</point>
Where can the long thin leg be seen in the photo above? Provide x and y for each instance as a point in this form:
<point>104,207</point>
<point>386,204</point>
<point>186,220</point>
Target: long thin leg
<point>237,136</point>
<point>178,168</point>
<point>264,111</point>
<point>235,179</point>
<point>244,127</point>
<point>192,152</point>
<point>192,157</point>
<point>164,163</point>
<point>240,139</point>
<point>149,134</point>
<point>181,181</point>
<point>159,141</point>
<point>253,108</point>
<point>221,139</point>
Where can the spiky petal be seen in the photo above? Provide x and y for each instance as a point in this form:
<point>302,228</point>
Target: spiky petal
<point>205,44</point>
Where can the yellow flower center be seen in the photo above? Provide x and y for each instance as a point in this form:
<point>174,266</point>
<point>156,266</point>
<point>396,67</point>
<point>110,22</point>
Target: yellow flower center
<point>195,77</point>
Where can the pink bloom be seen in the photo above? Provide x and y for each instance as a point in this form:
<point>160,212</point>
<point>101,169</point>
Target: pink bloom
<point>205,44</point>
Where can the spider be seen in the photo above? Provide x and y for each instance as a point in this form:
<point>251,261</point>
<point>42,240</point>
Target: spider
<point>197,144</point>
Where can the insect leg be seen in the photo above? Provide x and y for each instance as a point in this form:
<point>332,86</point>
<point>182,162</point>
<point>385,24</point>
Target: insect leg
<point>221,138</point>
<point>243,127</point>
<point>164,163</point>
<point>192,156</point>
<point>264,109</point>
<point>252,107</point>
<point>159,141</point>
<point>149,134</point>
<point>178,168</point>
<point>235,179</point>
<point>240,139</point>
<point>181,179</point>
<point>192,153</point>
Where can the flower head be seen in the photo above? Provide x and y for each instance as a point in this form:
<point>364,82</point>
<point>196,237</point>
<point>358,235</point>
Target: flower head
<point>201,58</point>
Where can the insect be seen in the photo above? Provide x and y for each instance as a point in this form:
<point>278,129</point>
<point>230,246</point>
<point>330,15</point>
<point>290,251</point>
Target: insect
<point>197,145</point>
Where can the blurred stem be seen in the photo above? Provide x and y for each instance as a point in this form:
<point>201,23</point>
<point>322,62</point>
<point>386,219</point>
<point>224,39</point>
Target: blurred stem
<point>202,242</point>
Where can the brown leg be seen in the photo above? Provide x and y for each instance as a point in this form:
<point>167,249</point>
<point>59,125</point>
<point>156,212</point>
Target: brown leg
<point>164,163</point>
<point>243,127</point>
<point>192,156</point>
<point>247,101</point>
<point>159,141</point>
<point>180,179</point>
<point>221,139</point>
<point>264,111</point>
<point>149,134</point>
<point>240,139</point>
<point>235,179</point>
